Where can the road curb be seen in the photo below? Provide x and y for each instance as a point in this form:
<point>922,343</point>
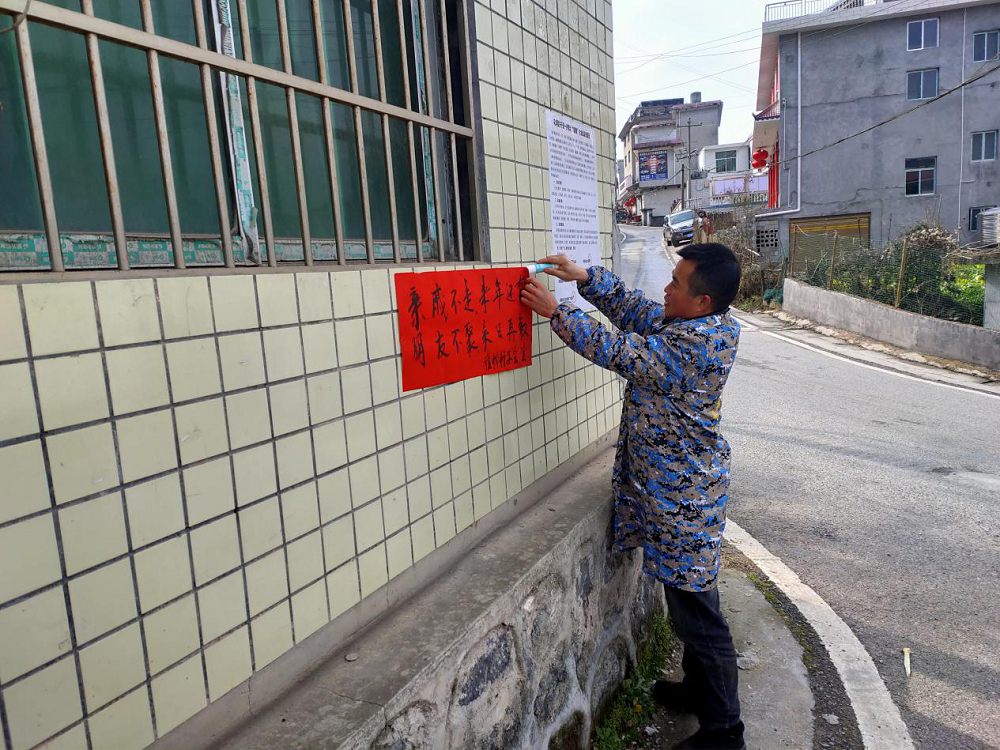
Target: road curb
<point>879,720</point>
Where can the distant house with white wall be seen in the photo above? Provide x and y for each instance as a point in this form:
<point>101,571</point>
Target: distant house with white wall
<point>660,149</point>
<point>724,177</point>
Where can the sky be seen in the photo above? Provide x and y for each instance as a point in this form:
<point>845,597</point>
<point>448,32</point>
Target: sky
<point>668,48</point>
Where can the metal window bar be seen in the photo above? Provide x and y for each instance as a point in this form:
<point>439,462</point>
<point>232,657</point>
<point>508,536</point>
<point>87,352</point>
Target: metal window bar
<point>44,177</point>
<point>107,146</point>
<point>293,126</point>
<point>465,42</point>
<point>215,150</point>
<point>387,144</point>
<point>352,66</point>
<point>404,55</point>
<point>456,193</point>
<point>331,151</point>
<point>433,131</point>
<point>95,29</point>
<point>163,141</point>
<point>258,139</point>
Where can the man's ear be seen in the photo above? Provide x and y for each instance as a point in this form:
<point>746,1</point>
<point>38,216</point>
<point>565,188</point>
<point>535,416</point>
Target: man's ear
<point>705,303</point>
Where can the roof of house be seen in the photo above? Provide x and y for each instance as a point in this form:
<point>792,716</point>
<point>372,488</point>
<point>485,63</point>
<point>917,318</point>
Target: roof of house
<point>724,146</point>
<point>839,13</point>
<point>660,109</point>
<point>658,144</point>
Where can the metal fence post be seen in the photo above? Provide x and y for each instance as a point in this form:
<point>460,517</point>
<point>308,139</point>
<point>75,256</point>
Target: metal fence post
<point>902,272</point>
<point>791,256</point>
<point>833,261</point>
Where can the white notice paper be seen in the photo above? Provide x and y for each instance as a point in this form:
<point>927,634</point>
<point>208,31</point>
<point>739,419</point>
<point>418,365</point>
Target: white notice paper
<point>573,197</point>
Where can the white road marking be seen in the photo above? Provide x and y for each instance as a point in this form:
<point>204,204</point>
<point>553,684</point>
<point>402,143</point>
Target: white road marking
<point>849,360</point>
<point>881,725</point>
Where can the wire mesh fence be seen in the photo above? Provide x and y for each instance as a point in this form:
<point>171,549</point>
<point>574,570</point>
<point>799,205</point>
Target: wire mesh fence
<point>921,272</point>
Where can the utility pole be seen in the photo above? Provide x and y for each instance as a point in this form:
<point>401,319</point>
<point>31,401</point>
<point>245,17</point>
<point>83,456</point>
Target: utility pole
<point>686,184</point>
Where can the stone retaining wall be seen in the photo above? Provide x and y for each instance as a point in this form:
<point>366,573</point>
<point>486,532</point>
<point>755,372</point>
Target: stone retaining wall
<point>521,646</point>
<point>539,674</point>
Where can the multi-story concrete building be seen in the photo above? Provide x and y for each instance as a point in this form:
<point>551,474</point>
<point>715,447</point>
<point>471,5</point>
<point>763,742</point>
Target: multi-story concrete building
<point>724,178</point>
<point>661,149</point>
<point>837,84</point>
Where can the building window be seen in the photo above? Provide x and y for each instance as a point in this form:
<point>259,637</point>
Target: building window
<point>974,216</point>
<point>984,146</point>
<point>922,34</point>
<point>767,239</point>
<point>920,175</point>
<point>725,161</point>
<point>985,46</point>
<point>922,84</point>
<point>329,157</point>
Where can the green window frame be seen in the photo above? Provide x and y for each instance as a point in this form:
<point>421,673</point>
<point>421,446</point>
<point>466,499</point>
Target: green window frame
<point>333,131</point>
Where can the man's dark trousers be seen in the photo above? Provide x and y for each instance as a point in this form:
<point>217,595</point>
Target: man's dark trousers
<point>709,655</point>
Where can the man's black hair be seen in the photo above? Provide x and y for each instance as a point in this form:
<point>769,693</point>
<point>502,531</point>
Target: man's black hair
<point>716,273</point>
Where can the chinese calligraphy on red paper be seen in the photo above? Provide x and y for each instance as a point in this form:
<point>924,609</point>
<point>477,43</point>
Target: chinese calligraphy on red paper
<point>455,325</point>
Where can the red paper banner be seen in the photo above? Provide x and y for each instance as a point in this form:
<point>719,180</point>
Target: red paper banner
<point>455,325</point>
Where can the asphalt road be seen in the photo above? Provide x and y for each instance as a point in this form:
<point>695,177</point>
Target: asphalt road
<point>882,493</point>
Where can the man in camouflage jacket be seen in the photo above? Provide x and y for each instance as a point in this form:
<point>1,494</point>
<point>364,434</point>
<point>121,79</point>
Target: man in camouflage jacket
<point>671,475</point>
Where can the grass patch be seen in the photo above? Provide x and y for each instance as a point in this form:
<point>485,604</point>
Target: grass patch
<point>633,701</point>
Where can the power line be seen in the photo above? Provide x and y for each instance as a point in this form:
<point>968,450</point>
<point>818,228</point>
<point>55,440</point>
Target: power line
<point>649,57</point>
<point>627,97</point>
<point>699,46</point>
<point>907,4</point>
<point>972,79</point>
<point>653,57</point>
<point>666,55</point>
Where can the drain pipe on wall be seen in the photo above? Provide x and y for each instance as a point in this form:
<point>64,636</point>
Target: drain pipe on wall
<point>961,161</point>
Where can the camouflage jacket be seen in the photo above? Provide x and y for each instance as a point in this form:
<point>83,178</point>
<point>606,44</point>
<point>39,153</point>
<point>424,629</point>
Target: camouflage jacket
<point>671,475</point>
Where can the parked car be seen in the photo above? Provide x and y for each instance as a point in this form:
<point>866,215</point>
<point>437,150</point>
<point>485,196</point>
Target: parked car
<point>679,228</point>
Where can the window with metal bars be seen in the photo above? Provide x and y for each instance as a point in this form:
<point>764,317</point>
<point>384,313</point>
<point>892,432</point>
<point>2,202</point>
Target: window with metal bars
<point>312,130</point>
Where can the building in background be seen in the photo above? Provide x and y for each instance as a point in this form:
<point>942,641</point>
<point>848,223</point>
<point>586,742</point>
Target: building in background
<point>830,75</point>
<point>662,139</point>
<point>725,180</point>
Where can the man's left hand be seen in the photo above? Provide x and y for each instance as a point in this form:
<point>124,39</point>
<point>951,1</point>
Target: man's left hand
<point>537,296</point>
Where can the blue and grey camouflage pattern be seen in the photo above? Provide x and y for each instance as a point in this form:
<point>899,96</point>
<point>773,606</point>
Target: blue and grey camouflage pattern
<point>671,475</point>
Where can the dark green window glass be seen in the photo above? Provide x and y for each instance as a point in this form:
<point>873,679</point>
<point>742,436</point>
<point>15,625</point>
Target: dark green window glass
<point>20,209</point>
<point>77,169</point>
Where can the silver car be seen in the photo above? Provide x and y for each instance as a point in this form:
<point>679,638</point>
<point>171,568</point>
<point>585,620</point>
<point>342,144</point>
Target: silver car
<point>679,228</point>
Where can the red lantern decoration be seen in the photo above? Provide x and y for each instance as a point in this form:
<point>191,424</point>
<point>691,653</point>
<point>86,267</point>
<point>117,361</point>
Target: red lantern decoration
<point>760,158</point>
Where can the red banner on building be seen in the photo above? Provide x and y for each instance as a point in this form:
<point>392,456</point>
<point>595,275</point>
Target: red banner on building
<point>455,325</point>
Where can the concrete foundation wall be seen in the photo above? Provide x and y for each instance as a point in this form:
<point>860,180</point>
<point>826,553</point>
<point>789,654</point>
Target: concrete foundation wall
<point>939,338</point>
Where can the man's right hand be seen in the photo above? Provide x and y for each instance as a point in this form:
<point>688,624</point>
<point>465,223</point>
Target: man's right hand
<point>565,269</point>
